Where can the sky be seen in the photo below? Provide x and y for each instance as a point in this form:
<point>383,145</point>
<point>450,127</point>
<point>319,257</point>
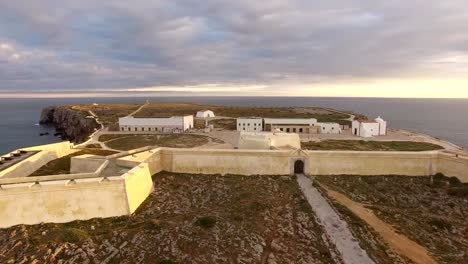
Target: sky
<point>347,48</point>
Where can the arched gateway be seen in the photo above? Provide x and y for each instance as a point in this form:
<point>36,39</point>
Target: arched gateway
<point>299,167</point>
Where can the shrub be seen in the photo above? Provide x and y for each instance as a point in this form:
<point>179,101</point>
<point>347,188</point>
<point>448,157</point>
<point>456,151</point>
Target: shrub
<point>74,235</point>
<point>440,223</point>
<point>455,182</point>
<point>459,191</point>
<point>206,222</point>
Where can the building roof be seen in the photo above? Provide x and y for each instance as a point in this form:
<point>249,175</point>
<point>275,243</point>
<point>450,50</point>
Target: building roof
<point>366,121</point>
<point>249,117</point>
<point>291,121</point>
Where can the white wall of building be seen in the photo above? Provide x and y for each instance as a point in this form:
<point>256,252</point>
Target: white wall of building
<point>383,126</point>
<point>205,114</point>
<point>249,124</point>
<point>369,128</point>
<point>330,128</point>
<point>158,124</point>
<point>269,140</point>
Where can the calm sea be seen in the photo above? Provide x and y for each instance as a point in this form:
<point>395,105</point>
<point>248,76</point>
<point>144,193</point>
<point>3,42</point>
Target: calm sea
<point>442,118</point>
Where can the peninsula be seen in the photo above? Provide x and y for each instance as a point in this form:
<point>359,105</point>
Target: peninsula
<point>190,183</point>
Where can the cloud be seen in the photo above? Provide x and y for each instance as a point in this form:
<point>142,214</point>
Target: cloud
<point>83,45</point>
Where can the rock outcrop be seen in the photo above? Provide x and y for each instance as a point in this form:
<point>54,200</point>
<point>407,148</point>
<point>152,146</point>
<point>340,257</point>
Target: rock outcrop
<point>70,124</point>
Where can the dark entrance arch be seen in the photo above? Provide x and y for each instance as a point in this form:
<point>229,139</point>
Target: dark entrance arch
<point>299,167</point>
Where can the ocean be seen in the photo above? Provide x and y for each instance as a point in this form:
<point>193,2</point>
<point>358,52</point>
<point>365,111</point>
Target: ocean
<point>442,118</point>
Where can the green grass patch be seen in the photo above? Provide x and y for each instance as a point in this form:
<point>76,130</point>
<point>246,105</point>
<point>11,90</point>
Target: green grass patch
<point>362,145</point>
<point>62,165</point>
<point>128,142</point>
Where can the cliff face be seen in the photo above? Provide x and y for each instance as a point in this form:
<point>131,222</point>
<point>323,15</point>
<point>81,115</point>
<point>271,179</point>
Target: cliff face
<point>71,124</point>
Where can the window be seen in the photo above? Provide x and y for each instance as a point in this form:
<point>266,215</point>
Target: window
<point>333,128</point>
<point>248,124</point>
<point>142,129</point>
<point>255,128</point>
<point>287,130</point>
<point>294,130</point>
<point>122,129</point>
<point>281,129</point>
<point>136,129</point>
<point>255,124</point>
<point>243,128</point>
<point>300,130</point>
<point>323,128</point>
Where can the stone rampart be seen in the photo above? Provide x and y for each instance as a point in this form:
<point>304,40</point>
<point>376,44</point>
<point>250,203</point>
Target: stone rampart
<point>31,164</point>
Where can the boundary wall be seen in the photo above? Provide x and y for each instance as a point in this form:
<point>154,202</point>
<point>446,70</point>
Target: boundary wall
<point>64,198</point>
<point>281,162</point>
<point>69,197</point>
<point>31,164</point>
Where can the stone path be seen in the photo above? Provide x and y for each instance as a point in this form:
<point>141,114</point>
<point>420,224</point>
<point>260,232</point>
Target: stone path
<point>336,228</point>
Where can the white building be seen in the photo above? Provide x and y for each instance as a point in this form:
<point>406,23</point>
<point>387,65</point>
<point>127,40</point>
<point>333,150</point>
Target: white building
<point>269,140</point>
<point>250,124</point>
<point>205,114</point>
<point>329,128</point>
<point>175,124</point>
<point>370,128</point>
<point>292,125</point>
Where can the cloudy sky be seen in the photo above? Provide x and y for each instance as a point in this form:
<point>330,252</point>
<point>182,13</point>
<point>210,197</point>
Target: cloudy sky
<point>399,48</point>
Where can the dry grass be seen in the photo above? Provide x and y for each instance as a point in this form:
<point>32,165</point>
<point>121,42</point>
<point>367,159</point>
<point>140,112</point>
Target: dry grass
<point>428,212</point>
<point>62,165</point>
<point>128,142</point>
<point>187,219</point>
<point>174,109</point>
<point>108,114</point>
<point>361,145</point>
<point>227,124</point>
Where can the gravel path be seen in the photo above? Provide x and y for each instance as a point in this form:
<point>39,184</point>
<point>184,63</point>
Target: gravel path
<point>336,228</point>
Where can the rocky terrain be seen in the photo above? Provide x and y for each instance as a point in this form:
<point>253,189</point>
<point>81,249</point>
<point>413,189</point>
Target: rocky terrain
<point>187,219</point>
<point>70,124</point>
<point>429,210</point>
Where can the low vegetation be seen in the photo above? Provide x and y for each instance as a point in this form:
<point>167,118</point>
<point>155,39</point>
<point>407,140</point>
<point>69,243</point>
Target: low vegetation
<point>93,146</point>
<point>225,123</point>
<point>187,219</point>
<point>174,109</point>
<point>62,165</point>
<point>108,114</point>
<point>361,145</point>
<point>424,209</point>
<point>128,142</point>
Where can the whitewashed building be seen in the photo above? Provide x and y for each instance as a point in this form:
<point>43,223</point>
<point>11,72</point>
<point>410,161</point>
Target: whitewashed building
<point>174,124</point>
<point>369,128</point>
<point>250,124</point>
<point>329,128</point>
<point>269,140</point>
<point>292,125</point>
<point>205,114</point>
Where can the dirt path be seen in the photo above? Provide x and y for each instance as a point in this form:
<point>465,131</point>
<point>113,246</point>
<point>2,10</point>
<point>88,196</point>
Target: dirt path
<point>399,243</point>
<point>138,110</point>
<point>336,228</point>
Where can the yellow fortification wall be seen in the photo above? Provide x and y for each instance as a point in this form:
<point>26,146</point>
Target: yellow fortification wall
<point>46,153</point>
<point>89,195</point>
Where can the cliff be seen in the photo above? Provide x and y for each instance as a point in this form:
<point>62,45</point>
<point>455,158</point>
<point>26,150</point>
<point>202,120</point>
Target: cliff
<point>70,124</point>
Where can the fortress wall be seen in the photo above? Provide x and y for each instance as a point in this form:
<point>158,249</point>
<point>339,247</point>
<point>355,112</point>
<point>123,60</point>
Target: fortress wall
<point>217,161</point>
<point>453,165</point>
<point>138,185</point>
<point>371,163</point>
<point>62,201</point>
<point>46,153</point>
